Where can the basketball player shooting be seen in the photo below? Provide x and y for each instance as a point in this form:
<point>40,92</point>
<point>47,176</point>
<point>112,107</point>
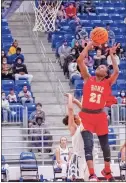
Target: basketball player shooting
<point>77,166</point>
<point>94,120</point>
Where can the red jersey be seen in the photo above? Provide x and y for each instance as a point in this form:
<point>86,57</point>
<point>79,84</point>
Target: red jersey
<point>95,94</point>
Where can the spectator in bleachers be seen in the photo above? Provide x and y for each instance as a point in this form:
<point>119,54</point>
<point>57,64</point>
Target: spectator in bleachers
<point>89,62</point>
<point>62,157</point>
<point>71,11</point>
<point>61,13</point>
<point>38,113</point>
<point>66,63</point>
<point>6,108</point>
<point>123,155</point>
<point>99,59</point>
<point>77,49</point>
<point>3,54</point>
<point>119,50</point>
<point>109,61</point>
<point>63,51</point>
<point>25,96</point>
<point>12,98</point>
<point>37,130</point>
<point>89,7</point>
<point>74,74</point>
<point>20,70</point>
<point>7,71</point>
<point>17,55</point>
<point>12,49</point>
<point>111,35</point>
<point>83,33</point>
<point>122,100</point>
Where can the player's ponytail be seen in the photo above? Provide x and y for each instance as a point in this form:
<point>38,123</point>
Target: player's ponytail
<point>65,120</point>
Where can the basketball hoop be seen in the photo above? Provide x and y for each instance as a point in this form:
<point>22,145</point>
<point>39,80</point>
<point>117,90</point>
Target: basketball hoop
<point>45,15</point>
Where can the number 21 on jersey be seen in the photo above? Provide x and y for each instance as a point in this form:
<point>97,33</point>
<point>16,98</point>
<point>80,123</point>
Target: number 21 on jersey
<point>95,98</point>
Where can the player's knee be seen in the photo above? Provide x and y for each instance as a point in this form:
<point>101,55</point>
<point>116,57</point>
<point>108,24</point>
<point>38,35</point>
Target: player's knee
<point>88,144</point>
<point>106,152</point>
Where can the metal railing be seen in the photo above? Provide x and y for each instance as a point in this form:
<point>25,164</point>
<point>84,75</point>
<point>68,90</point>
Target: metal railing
<point>118,114</point>
<point>20,116</point>
<point>14,143</point>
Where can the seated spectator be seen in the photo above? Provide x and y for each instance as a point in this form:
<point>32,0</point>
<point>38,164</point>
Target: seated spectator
<point>66,63</point>
<point>12,98</point>
<point>17,55</point>
<point>7,71</point>
<point>76,50</point>
<point>123,155</point>
<point>89,7</point>
<point>109,61</point>
<point>37,132</point>
<point>12,49</point>
<point>20,70</point>
<point>62,157</point>
<point>6,108</point>
<point>3,54</point>
<point>71,11</point>
<point>63,51</point>
<point>122,97</point>
<point>74,74</point>
<point>119,50</point>
<point>25,96</point>
<point>89,62</point>
<point>77,39</point>
<point>38,113</point>
<point>99,59</point>
<point>111,35</point>
<point>61,13</point>
<point>122,100</point>
<point>83,33</point>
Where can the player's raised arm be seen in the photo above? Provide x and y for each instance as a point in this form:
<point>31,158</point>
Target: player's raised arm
<point>115,73</point>
<point>81,64</point>
<point>71,123</point>
<point>78,103</point>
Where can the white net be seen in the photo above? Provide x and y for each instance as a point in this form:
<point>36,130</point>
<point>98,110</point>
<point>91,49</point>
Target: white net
<point>45,15</point>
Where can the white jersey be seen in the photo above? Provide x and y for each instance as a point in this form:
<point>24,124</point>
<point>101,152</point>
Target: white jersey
<point>77,166</point>
<point>77,143</point>
<point>64,154</point>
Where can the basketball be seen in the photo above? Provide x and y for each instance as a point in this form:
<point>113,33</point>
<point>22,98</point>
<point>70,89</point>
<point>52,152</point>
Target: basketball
<point>99,35</point>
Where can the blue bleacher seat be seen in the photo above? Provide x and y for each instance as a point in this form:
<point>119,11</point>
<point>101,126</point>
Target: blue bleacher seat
<point>92,17</point>
<point>5,30</point>
<point>4,23</point>
<point>110,10</point>
<point>69,37</point>
<point>7,38</point>
<point>100,10</point>
<point>115,16</point>
<point>118,4</point>
<point>104,16</point>
<point>112,137</point>
<point>122,86</point>
<point>7,85</point>
<point>85,23</point>
<point>121,10</point>
<point>31,108</point>
<point>20,83</point>
<point>98,23</point>
<point>78,86</point>
<point>57,38</point>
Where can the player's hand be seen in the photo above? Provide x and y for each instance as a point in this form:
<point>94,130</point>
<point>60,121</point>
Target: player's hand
<point>112,50</point>
<point>90,45</point>
<point>67,95</point>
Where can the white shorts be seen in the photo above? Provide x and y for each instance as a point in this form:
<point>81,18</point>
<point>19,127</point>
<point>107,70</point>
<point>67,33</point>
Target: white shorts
<point>78,168</point>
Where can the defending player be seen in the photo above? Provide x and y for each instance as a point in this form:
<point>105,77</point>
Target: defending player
<point>95,94</point>
<point>77,167</point>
